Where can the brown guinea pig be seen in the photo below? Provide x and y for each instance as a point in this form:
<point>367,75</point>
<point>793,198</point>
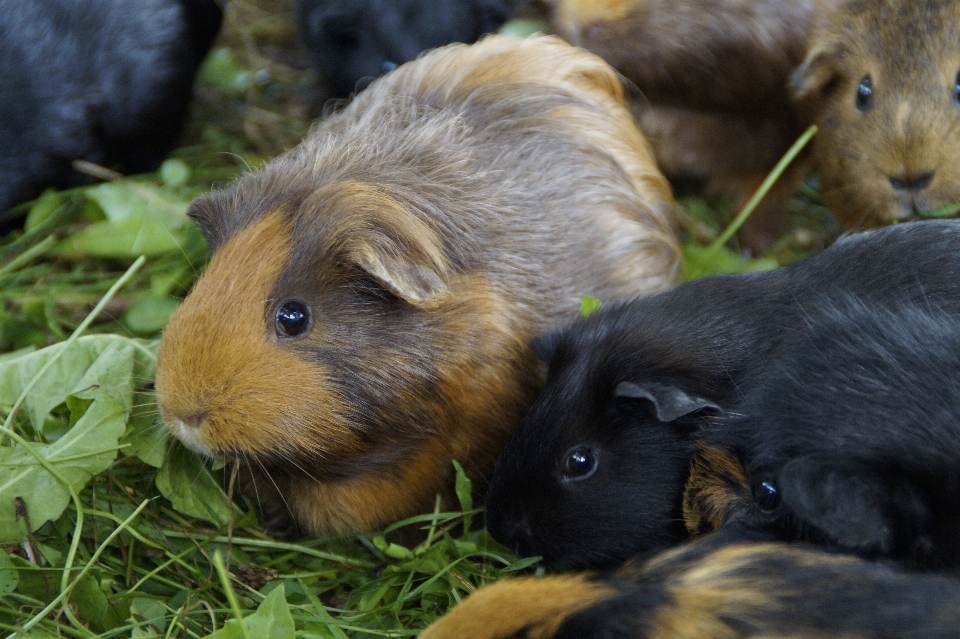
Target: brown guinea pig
<point>366,312</point>
<point>716,76</point>
<point>883,78</point>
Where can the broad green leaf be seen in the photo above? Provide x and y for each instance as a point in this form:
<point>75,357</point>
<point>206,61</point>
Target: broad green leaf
<point>272,620</point>
<point>147,437</point>
<point>9,578</point>
<point>174,172</point>
<point>85,450</point>
<point>129,199</point>
<point>125,238</point>
<point>148,315</point>
<point>89,601</point>
<point>188,484</point>
<point>68,374</point>
<point>703,261</point>
<point>222,70</point>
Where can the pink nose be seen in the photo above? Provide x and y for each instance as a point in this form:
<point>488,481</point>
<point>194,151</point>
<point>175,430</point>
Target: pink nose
<point>194,421</point>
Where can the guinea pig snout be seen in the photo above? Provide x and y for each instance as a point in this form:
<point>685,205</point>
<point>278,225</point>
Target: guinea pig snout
<point>517,535</point>
<point>913,182</point>
<point>188,429</point>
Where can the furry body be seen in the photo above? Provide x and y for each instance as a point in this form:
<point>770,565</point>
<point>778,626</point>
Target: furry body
<point>456,208</point>
<point>699,347</point>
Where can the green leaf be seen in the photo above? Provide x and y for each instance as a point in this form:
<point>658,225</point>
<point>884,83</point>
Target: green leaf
<point>148,315</point>
<point>272,620</point>
<point>947,210</point>
<point>188,484</point>
<point>222,70</point>
<point>125,238</point>
<point>89,601</point>
<point>174,172</point>
<point>129,199</point>
<point>9,578</point>
<point>589,305</point>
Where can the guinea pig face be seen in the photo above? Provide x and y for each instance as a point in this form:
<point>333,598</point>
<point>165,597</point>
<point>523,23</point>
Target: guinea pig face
<point>883,81</point>
<point>596,471</point>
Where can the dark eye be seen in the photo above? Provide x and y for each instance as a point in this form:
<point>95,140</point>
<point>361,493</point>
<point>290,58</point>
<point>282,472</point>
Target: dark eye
<point>579,464</point>
<point>388,66</point>
<point>292,319</point>
<point>767,495</point>
<point>956,90</point>
<point>865,94</point>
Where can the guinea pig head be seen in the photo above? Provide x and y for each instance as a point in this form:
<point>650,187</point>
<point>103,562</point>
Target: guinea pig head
<point>596,471</point>
<point>882,81</point>
<point>336,336</point>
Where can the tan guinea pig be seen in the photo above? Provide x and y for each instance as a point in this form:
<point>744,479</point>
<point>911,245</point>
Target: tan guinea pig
<point>366,313</point>
<point>883,78</point>
<point>716,76</point>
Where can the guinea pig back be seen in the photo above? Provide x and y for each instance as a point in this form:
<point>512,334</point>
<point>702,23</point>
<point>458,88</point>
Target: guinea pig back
<point>366,313</point>
<point>883,81</point>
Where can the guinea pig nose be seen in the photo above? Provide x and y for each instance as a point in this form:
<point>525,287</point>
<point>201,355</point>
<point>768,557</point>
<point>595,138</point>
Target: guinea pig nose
<point>916,182</point>
<point>194,421</point>
<point>521,541</point>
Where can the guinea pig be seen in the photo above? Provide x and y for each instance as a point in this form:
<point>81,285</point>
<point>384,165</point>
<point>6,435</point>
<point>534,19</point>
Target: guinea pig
<point>851,437</point>
<point>597,469</point>
<point>714,76</point>
<point>351,42</point>
<point>883,80</point>
<point>107,81</point>
<point>379,283</point>
<point>710,589</point>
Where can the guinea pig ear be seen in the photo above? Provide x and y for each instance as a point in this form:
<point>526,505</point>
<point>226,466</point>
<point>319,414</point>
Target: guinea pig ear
<point>206,211</point>
<point>669,402</point>
<point>391,243</point>
<point>818,72</point>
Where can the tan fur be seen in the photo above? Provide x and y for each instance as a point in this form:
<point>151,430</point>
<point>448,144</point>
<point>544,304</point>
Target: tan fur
<point>716,490</point>
<point>713,75</point>
<point>911,51</point>
<point>528,607</point>
<point>458,207</point>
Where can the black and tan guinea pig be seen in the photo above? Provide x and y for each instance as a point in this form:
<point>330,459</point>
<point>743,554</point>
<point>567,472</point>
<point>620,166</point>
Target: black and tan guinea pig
<point>351,42</point>
<point>851,437</point>
<point>714,78</point>
<point>106,81</point>
<point>596,471</point>
<point>714,589</point>
<point>366,314</point>
<point>883,80</point>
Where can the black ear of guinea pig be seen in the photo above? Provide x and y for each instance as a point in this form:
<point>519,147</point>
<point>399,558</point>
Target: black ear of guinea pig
<point>352,42</point>
<point>856,427</point>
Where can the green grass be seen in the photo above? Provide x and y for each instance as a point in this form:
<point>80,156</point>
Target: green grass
<point>126,533</point>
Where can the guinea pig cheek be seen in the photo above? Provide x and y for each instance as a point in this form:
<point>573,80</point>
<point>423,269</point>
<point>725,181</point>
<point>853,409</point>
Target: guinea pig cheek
<point>223,386</point>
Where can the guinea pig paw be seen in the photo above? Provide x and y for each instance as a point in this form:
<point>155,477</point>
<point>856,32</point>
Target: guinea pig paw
<point>848,505</point>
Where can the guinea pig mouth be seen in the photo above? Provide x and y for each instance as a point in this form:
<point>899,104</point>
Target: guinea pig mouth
<point>187,430</point>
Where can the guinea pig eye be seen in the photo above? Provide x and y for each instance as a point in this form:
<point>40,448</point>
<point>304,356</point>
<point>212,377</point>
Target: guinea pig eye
<point>292,319</point>
<point>956,90</point>
<point>865,94</point>
<point>579,463</point>
<point>767,495</point>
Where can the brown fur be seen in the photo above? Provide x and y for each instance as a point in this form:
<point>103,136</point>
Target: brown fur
<point>709,589</point>
<point>714,78</point>
<point>716,490</point>
<point>456,208</point>
<point>525,607</point>
<point>911,51</point>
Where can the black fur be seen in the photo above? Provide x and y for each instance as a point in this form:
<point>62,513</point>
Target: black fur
<point>352,42</point>
<point>107,81</point>
<point>856,428</point>
<point>707,340</point>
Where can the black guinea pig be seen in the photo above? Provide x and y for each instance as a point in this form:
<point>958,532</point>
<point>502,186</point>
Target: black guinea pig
<point>596,471</point>
<point>851,437</point>
<point>352,42</point>
<point>107,81</point>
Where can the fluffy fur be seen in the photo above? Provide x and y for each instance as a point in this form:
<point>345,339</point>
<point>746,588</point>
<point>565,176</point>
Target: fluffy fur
<point>107,81</point>
<point>630,386</point>
<point>458,206</point>
<point>714,589</point>
<point>714,81</point>
<point>851,437</point>
<point>894,156</point>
